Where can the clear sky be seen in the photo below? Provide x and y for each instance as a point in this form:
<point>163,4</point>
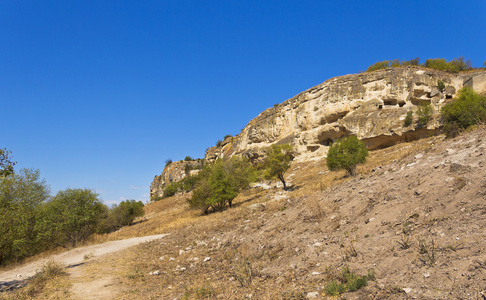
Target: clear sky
<point>98,94</point>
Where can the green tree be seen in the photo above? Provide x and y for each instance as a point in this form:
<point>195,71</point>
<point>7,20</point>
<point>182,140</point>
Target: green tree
<point>122,214</point>
<point>77,213</point>
<point>21,195</point>
<point>346,154</point>
<point>6,163</point>
<point>220,182</point>
<point>278,161</point>
<point>467,110</point>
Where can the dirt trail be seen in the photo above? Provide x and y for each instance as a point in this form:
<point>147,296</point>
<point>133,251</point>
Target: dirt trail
<point>72,260</point>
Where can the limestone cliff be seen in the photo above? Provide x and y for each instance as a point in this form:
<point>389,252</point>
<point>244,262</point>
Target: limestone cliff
<point>371,106</point>
<point>173,172</point>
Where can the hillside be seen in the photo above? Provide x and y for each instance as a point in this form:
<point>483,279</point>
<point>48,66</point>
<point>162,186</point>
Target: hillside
<point>414,220</point>
<point>417,222</point>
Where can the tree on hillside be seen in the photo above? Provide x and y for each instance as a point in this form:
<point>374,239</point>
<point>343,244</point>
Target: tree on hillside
<point>220,182</point>
<point>346,154</point>
<point>467,110</point>
<point>278,161</point>
<point>6,163</point>
<point>21,194</point>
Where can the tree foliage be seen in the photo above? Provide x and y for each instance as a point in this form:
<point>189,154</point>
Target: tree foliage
<point>278,161</point>
<point>77,214</point>
<point>346,154</point>
<point>467,110</point>
<point>220,182</point>
<point>456,65</point>
<point>20,196</point>
<point>122,214</point>
<point>6,163</point>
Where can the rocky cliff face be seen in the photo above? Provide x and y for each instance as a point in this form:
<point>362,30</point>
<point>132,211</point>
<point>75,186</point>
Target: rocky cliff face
<point>371,106</point>
<point>174,172</point>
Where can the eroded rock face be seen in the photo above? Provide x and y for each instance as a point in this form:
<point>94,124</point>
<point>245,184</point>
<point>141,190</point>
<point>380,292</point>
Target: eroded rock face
<point>371,106</point>
<point>174,172</point>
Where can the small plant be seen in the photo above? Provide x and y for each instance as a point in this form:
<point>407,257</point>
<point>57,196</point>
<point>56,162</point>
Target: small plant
<point>441,85</point>
<point>424,114</point>
<point>188,158</point>
<point>349,252</point>
<point>227,136</point>
<point>168,162</point>
<point>408,119</point>
<point>347,282</point>
<point>219,143</point>
<point>428,252</point>
<point>405,242</point>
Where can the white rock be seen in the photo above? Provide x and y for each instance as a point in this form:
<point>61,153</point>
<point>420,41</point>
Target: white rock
<point>312,295</point>
<point>427,275</point>
<point>161,258</point>
<point>316,273</point>
<point>407,290</point>
<point>207,259</point>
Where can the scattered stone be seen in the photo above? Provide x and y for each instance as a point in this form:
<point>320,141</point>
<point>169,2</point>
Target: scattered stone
<point>316,273</point>
<point>161,258</point>
<point>206,259</point>
<point>418,156</point>
<point>181,252</point>
<point>317,244</point>
<point>427,275</point>
<point>157,272</point>
<point>312,295</point>
<point>407,290</point>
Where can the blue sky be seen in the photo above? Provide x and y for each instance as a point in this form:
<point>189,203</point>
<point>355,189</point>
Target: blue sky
<point>98,94</point>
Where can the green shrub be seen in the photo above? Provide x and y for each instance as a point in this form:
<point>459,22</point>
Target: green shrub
<point>227,136</point>
<point>346,154</point>
<point>168,162</point>
<point>171,189</point>
<point>412,62</point>
<point>219,143</point>
<point>347,282</point>
<point>408,119</point>
<point>467,110</point>
<point>220,182</point>
<point>424,114</point>
<point>379,65</point>
<point>187,158</point>
<point>123,214</point>
<point>441,85</point>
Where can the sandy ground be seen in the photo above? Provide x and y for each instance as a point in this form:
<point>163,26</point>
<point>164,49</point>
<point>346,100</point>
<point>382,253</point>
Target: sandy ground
<point>73,260</point>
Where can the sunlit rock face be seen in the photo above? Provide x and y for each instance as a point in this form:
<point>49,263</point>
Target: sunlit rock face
<point>371,106</point>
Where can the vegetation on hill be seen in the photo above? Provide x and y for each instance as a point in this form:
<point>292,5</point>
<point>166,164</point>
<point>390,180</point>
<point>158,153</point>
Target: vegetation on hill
<point>456,65</point>
<point>277,162</point>
<point>346,154</point>
<point>32,221</point>
<point>220,182</point>
<point>467,110</point>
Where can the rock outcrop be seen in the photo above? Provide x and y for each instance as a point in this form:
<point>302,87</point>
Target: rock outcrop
<point>371,106</point>
<point>173,172</point>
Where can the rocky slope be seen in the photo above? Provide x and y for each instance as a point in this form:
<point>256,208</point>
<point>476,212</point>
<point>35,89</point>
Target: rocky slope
<point>418,224</point>
<point>371,106</point>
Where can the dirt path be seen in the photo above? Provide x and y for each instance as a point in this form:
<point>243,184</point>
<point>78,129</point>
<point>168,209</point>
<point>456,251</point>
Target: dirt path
<point>72,260</point>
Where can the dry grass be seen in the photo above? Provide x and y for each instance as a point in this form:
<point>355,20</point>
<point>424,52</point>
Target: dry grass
<point>50,282</point>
